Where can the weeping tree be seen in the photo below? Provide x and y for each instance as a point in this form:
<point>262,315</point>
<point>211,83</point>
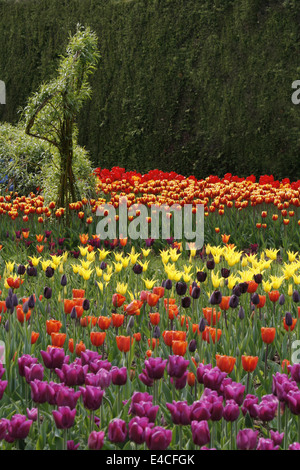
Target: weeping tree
<point>51,112</point>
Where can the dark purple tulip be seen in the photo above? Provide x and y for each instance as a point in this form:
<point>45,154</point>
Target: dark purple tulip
<point>180,412</point>
<point>156,332</point>
<point>86,304</point>
<point>31,301</point>
<point>19,427</point>
<point>192,345</point>
<point>137,427</point>
<point>231,411</point>
<point>3,428</point>
<point>168,284</point>
<point>34,371</point>
<point>186,302</point>
<point>266,444</point>
<point>49,272</point>
<point>155,367</point>
<point>200,433</point>
<point>246,439</point>
<point>181,287</point>
<point>3,385</point>
<point>96,440</point>
<point>47,293</point>
<point>158,438</point>
<point>63,280</point>
<point>241,313</point>
<point>296,296</point>
<point>237,291</point>
<point>255,299</point>
<point>202,325</point>
<point>258,278</point>
<point>92,397</point>
<point>195,294</point>
<point>119,376</point>
<point>42,392</point>
<point>216,298</point>
<point>137,268</point>
<point>201,276</point>
<point>210,264</point>
<point>64,417</point>
<point>117,430</point>
<point>177,366</point>
<point>243,287</point>
<point>281,299</point>
<point>225,273</point>
<point>233,301</point>
<point>54,358</point>
<point>14,300</point>
<point>21,270</point>
<point>288,319</point>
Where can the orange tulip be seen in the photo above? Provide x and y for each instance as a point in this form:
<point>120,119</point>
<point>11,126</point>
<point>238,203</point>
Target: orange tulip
<point>173,311</point>
<point>2,306</point>
<point>211,315</point>
<point>225,238</point>
<point>262,301</point>
<point>154,318</point>
<point>155,341</point>
<point>252,287</point>
<point>97,338</point>
<point>191,379</point>
<point>79,348</point>
<point>39,238</point>
<point>123,241</point>
<point>83,237</point>
<point>68,305</point>
<point>224,305</point>
<point>78,293</point>
<point>21,315</point>
<point>123,343</point>
<point>71,345</point>
<point>225,363</point>
<point>134,307</point>
<point>118,300</point>
<point>34,337</point>
<point>289,328</point>
<point>210,334</point>
<point>58,339</point>
<point>249,363</point>
<point>117,319</point>
<point>268,335</point>
<point>274,295</point>
<point>179,347</point>
<point>284,366</point>
<point>104,322</point>
<point>53,326</point>
<point>160,291</point>
<point>137,337</point>
<point>152,299</point>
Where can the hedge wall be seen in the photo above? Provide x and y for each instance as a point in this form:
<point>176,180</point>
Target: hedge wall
<point>195,86</point>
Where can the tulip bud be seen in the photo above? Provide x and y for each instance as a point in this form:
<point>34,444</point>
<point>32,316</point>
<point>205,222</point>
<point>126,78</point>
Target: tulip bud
<point>281,300</point>
<point>288,319</point>
<point>63,281</point>
<point>185,302</point>
<point>25,307</point>
<point>137,268</point>
<point>233,301</point>
<point>14,300</point>
<point>255,299</point>
<point>258,278</point>
<point>86,304</point>
<point>73,313</point>
<point>31,301</point>
<point>216,298</point>
<point>202,325</point>
<point>296,296</point>
<point>192,345</point>
<point>8,303</point>
<point>47,293</point>
<point>241,313</point>
<point>196,292</point>
<point>168,284</point>
<point>225,273</point>
<point>21,270</point>
<point>103,265</point>
<point>131,322</point>
<point>156,332</point>
<point>6,326</point>
<point>197,358</point>
<point>49,272</point>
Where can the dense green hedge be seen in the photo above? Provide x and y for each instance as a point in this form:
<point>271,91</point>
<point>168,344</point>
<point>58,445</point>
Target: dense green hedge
<point>190,85</point>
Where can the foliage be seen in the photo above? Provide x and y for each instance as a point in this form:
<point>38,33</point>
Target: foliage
<point>205,90</point>
<point>22,159</point>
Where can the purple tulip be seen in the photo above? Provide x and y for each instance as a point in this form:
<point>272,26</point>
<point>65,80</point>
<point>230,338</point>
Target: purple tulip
<point>54,358</point>
<point>117,430</point>
<point>294,446</point>
<point>216,405</point>
<point>266,444</point>
<point>3,385</point>
<point>246,439</point>
<point>295,372</point>
<point>72,446</point>
<point>92,397</point>
<point>248,406</point>
<point>3,428</point>
<point>201,370</point>
<point>42,392</point>
<point>64,417</point>
<point>293,401</point>
<point>234,391</point>
<point>177,366</point>
<point>25,361</point>
<point>19,427</point>
<point>158,438</point>
<point>137,427</point>
<point>34,371</point>
<point>231,411</point>
<point>200,410</point>
<point>181,382</point>
<point>213,378</point>
<point>119,376</point>
<point>155,367</point>
<point>96,440</point>
<point>98,364</point>
<point>32,414</point>
<point>73,374</point>
<point>66,396</point>
<point>276,437</point>
<point>146,379</point>
<point>180,412</point>
<point>200,433</point>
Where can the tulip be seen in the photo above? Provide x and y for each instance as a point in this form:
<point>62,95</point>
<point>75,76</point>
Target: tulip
<point>266,444</point>
<point>225,363</point>
<point>92,397</point>
<point>34,371</point>
<point>137,427</point>
<point>19,427</point>
<point>200,433</point>
<point>246,439</point>
<point>117,430</point>
<point>64,417</point>
<point>158,438</point>
<point>54,358</point>
<point>119,376</point>
<point>155,367</point>
<point>96,440</point>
